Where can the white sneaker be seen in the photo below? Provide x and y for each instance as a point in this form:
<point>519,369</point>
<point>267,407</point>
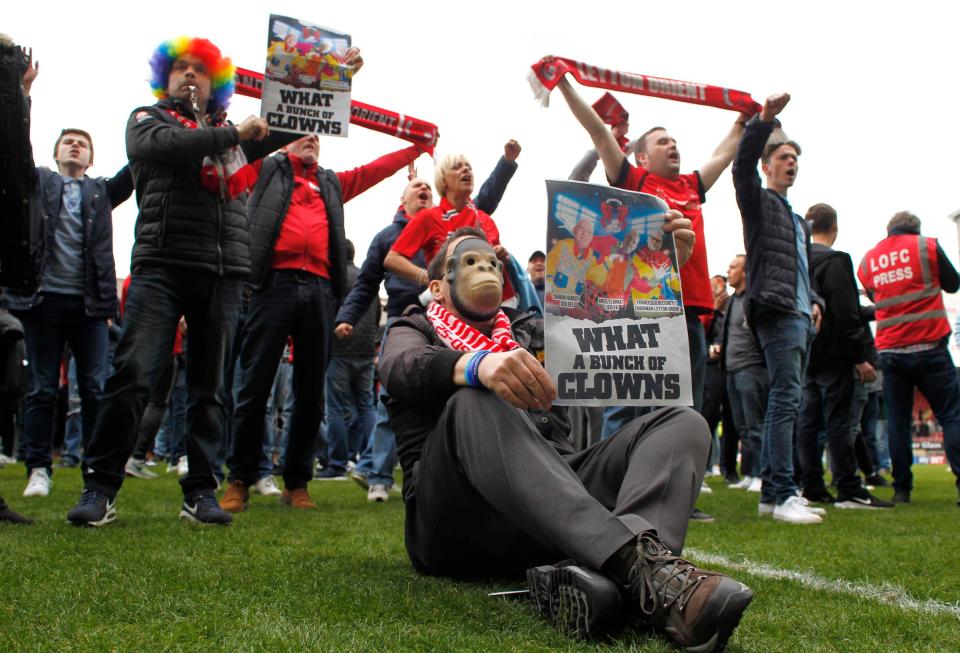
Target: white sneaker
<point>183,467</point>
<point>742,484</point>
<point>755,485</point>
<point>714,471</point>
<point>766,509</point>
<point>705,489</point>
<point>7,460</point>
<point>267,486</point>
<point>39,483</point>
<point>378,493</point>
<point>813,509</point>
<point>138,469</point>
<point>793,511</point>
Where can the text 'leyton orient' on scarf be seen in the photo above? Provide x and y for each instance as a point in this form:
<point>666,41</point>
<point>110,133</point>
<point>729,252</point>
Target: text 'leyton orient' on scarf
<point>546,75</point>
<point>410,129</point>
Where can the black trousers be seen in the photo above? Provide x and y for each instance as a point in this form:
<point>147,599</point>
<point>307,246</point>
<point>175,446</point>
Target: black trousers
<point>491,496</point>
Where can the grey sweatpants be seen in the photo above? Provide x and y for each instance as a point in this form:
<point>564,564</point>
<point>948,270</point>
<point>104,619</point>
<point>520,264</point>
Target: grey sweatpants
<point>491,496</point>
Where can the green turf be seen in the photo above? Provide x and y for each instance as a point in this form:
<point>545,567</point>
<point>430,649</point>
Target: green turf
<point>338,579</point>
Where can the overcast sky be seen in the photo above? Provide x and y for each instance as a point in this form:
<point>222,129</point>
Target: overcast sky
<point>873,101</point>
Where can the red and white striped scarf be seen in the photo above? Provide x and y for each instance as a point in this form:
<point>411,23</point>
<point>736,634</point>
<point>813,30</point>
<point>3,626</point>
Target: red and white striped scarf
<point>457,334</point>
<point>546,75</point>
<point>233,176</point>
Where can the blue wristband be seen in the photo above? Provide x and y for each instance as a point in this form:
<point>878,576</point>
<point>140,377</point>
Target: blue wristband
<point>472,372</point>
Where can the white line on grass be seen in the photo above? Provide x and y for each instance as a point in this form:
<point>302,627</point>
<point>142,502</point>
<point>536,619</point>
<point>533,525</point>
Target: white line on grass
<point>887,593</point>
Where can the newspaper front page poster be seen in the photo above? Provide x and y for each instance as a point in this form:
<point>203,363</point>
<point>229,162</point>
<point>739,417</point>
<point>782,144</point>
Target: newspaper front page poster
<point>306,87</point>
<point>615,330</point>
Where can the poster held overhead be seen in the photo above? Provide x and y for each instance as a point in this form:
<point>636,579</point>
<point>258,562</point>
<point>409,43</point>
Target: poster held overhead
<point>306,85</point>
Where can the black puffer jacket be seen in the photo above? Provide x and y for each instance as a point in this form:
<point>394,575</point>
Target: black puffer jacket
<point>268,208</point>
<point>768,230</point>
<point>16,174</point>
<point>181,223</point>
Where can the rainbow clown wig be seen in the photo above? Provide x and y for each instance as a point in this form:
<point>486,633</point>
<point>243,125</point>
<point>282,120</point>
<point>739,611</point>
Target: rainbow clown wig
<point>220,68</point>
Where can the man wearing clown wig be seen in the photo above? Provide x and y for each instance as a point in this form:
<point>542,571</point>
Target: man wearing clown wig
<point>190,257</point>
<point>492,486</point>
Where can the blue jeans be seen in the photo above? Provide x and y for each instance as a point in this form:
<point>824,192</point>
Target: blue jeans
<point>380,456</point>
<point>157,297</point>
<point>350,408</point>
<point>616,417</point>
<point>874,432</point>
<point>290,303</point>
<point>56,320</point>
<point>73,428</point>
<point>171,442</point>
<point>785,341</point>
<point>279,405</point>
<point>747,390</point>
<point>933,374</point>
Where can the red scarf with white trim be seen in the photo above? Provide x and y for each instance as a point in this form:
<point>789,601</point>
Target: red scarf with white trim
<point>227,174</point>
<point>546,75</point>
<point>457,334</point>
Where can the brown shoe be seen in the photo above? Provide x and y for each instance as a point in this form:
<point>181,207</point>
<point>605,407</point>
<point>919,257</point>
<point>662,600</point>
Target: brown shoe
<point>236,498</point>
<point>297,498</point>
<point>695,608</point>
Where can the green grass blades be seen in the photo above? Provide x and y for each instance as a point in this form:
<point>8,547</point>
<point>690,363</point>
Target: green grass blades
<point>338,579</point>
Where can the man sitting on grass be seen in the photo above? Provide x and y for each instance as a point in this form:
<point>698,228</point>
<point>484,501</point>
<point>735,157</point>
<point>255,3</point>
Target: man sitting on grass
<point>492,485</point>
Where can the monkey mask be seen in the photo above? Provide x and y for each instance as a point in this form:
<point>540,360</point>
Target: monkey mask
<point>475,277</point>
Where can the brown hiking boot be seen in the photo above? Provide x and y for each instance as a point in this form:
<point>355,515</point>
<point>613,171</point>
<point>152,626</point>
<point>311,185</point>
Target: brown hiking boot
<point>298,498</point>
<point>695,608</point>
<point>236,498</point>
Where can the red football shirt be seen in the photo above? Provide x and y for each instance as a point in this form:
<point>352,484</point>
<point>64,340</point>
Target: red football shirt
<point>684,194</point>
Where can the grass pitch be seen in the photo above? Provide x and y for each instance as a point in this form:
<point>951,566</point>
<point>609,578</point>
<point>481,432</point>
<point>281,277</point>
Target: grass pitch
<point>338,579</point>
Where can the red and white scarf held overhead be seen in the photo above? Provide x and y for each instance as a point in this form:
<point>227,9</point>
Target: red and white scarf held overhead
<point>546,75</point>
<point>460,336</point>
<point>413,130</point>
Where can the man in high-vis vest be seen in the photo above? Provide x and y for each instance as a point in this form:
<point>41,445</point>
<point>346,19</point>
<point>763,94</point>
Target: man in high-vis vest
<point>904,275</point>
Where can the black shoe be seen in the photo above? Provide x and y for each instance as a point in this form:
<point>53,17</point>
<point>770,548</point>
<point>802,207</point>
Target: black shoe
<point>698,515</point>
<point>11,517</point>
<point>93,509</point>
<point>204,509</point>
<point>66,463</point>
<point>877,481</point>
<point>818,495</point>
<point>903,496</point>
<point>578,601</point>
<point>861,498</point>
<point>731,479</point>
<point>695,608</point>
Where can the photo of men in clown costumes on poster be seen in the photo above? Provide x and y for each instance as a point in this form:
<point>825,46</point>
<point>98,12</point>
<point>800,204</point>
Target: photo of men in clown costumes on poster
<point>615,331</point>
<point>306,85</point>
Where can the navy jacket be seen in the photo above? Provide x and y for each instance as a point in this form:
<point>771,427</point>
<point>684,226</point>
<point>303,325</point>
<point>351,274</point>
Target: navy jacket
<point>99,196</point>
<point>768,231</point>
<point>400,292</point>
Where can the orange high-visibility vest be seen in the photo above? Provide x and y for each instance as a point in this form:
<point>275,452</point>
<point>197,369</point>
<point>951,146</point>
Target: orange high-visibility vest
<point>903,274</point>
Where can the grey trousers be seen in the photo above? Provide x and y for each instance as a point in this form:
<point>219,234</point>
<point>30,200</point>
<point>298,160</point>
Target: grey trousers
<point>491,496</point>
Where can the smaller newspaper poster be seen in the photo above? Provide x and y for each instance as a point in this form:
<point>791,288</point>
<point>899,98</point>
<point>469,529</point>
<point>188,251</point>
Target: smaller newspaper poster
<point>306,87</point>
<point>615,330</point>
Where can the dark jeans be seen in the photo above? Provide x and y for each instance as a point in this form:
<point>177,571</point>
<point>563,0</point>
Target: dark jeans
<point>933,374</point>
<point>747,389</point>
<point>56,320</point>
<point>351,411</point>
<point>490,495</point>
<point>290,303</point>
<point>827,401</point>
<point>156,299</point>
